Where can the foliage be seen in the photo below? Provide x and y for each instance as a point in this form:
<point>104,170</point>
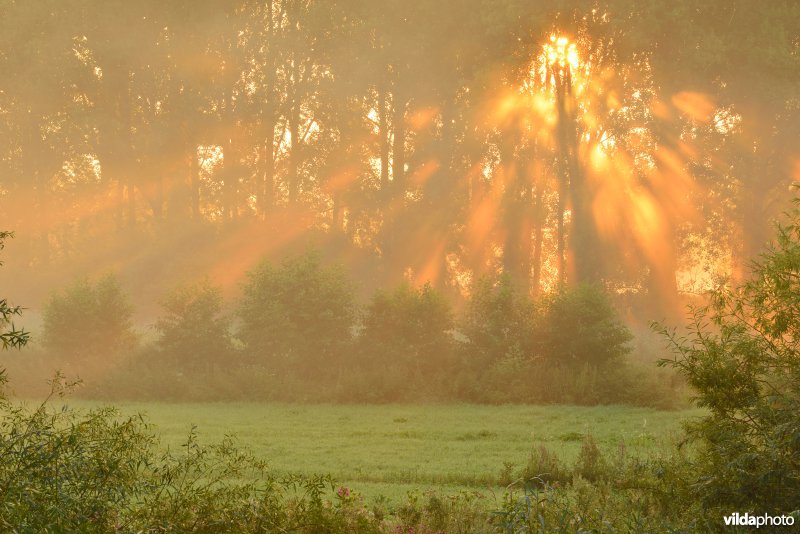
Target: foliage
<point>99,471</point>
<point>432,513</point>
<point>741,357</point>
<point>499,321</point>
<point>600,492</point>
<point>10,337</point>
<point>194,333</point>
<point>417,321</point>
<point>389,106</point>
<point>568,347</point>
<point>297,317</point>
<point>574,327</point>
<point>300,343</point>
<point>580,326</point>
<point>586,508</point>
<point>407,333</point>
<point>67,471</point>
<point>89,321</point>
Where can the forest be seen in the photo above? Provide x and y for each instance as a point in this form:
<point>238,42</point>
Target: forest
<point>498,205</point>
<point>639,145</point>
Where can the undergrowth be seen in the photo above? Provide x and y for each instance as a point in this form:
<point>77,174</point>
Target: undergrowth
<point>65,470</point>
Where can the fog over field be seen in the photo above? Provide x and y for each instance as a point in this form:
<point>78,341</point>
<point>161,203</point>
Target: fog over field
<point>451,207</point>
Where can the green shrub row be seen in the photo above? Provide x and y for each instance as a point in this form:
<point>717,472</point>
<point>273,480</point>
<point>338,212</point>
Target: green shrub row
<point>297,333</point>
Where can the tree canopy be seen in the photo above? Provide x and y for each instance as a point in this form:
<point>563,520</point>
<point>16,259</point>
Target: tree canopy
<point>433,142</point>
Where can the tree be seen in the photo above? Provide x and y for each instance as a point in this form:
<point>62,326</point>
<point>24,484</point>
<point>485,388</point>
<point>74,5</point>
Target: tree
<point>193,331</point>
<point>297,317</point>
<point>741,355</point>
<point>499,322</point>
<point>426,135</point>
<point>89,322</point>
<point>580,326</point>
<point>409,328</point>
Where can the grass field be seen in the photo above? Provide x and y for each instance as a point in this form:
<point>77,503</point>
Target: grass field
<point>388,450</point>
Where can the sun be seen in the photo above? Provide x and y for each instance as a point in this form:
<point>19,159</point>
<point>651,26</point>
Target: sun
<point>561,52</point>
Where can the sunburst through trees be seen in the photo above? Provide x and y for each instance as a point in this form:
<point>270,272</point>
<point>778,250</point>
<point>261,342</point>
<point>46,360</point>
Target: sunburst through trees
<point>425,143</point>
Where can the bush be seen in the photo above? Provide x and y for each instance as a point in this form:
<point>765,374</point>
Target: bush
<point>67,471</point>
<point>599,494</point>
<point>89,322</point>
<point>567,348</point>
<point>10,337</point>
<point>499,322</point>
<point>408,333</point>
<point>298,317</point>
<point>742,358</point>
<point>194,333</point>
<point>580,326</point>
<point>544,468</point>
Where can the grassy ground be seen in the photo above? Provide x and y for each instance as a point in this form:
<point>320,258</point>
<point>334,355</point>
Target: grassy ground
<point>390,450</point>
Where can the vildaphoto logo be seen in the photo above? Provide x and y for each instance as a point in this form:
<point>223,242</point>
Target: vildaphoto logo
<point>765,520</point>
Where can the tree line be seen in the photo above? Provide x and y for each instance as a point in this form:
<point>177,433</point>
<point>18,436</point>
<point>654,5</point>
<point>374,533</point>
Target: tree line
<point>297,332</point>
<point>429,142</point>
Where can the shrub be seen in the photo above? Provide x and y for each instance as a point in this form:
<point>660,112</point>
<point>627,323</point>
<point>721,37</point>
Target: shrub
<point>600,494</point>
<point>591,464</point>
<point>297,317</point>
<point>587,508</point>
<point>566,348</point>
<point>544,468</point>
<point>580,326</point>
<point>194,333</point>
<point>89,322</point>
<point>408,331</point>
<point>499,322</point>
<point>742,358</point>
<point>67,471</point>
<point>433,513</point>
<point>10,337</point>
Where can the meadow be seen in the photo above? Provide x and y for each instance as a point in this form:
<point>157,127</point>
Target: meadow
<point>386,451</point>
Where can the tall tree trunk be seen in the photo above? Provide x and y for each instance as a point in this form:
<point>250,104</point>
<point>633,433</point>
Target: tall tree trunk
<point>383,127</point>
<point>561,262</point>
<point>33,163</point>
<point>294,156</point>
<point>538,235</point>
<point>231,172</point>
<point>294,118</point>
<point>399,144</point>
<point>270,117</point>
<point>563,182</point>
<point>394,260</point>
<point>268,178</point>
<point>759,173</point>
<point>337,212</point>
<point>573,186</point>
<point>516,203</point>
<point>114,135</point>
<point>583,238</point>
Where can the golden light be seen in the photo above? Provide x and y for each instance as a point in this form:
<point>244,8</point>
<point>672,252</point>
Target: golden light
<point>697,106</point>
<point>561,52</point>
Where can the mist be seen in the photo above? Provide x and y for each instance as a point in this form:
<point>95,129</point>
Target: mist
<point>463,248</point>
